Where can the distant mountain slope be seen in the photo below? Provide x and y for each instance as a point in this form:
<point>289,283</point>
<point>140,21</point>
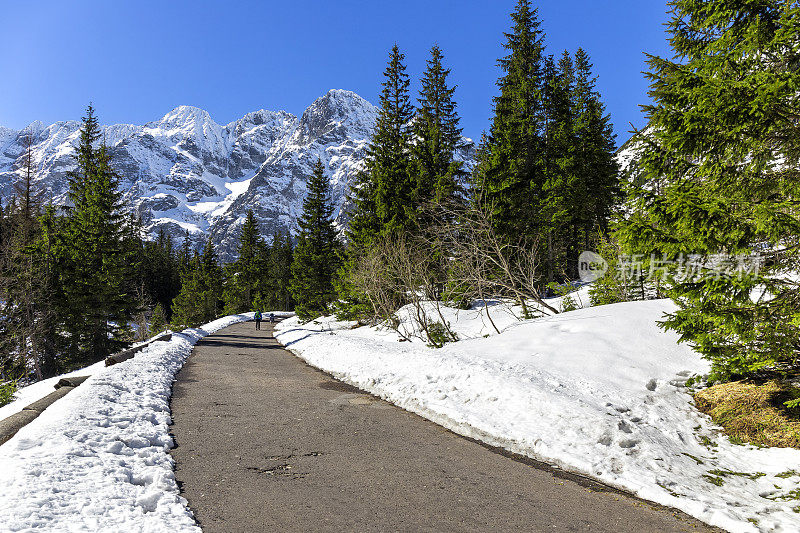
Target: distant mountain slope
<point>186,172</point>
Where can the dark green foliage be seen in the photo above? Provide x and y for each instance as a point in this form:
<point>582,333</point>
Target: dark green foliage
<point>158,321</point>
<point>7,391</point>
<point>617,285</point>
<point>436,136</point>
<point>25,306</point>
<point>98,301</point>
<point>598,183</point>
<point>384,193</point>
<point>546,170</point>
<point>720,160</point>
<point>315,257</point>
<point>247,276</point>
<point>200,299</point>
<point>513,169</point>
<point>277,295</point>
<point>159,271</point>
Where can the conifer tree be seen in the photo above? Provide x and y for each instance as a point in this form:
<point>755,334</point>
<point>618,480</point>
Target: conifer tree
<point>513,178</point>
<point>188,308</point>
<point>561,186</point>
<point>277,295</point>
<point>158,322</point>
<point>200,298</point>
<point>159,271</point>
<point>315,257</point>
<point>185,254</point>
<point>437,135</point>
<point>98,266</point>
<point>212,276</point>
<point>246,275</point>
<point>723,152</point>
<point>29,196</point>
<point>597,169</point>
<point>23,305</point>
<point>383,193</point>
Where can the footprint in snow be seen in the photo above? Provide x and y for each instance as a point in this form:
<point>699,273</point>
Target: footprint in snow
<point>624,427</point>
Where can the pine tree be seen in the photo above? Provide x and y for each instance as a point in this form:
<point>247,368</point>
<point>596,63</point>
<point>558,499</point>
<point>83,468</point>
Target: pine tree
<point>29,195</point>
<point>21,284</point>
<point>245,277</point>
<point>598,171</point>
<point>315,257</point>
<point>158,322</point>
<point>384,191</point>
<point>200,298</point>
<point>96,287</point>
<point>722,149</point>
<point>49,254</point>
<point>437,135</point>
<point>185,254</point>
<point>561,186</point>
<point>188,308</point>
<point>277,295</point>
<point>212,277</point>
<point>513,179</point>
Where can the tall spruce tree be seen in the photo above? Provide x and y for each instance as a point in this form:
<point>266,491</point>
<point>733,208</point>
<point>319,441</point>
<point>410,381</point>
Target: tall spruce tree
<point>437,135</point>
<point>561,185</point>
<point>723,149</point>
<point>513,177</point>
<point>23,308</point>
<point>277,295</point>
<point>383,193</point>
<point>98,267</point>
<point>598,172</point>
<point>315,257</point>
<point>200,298</point>
<point>245,278</point>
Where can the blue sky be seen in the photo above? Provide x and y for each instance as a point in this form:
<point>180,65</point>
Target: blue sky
<point>137,60</point>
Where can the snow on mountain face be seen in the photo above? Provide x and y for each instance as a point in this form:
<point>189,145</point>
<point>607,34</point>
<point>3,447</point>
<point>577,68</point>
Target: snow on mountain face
<point>186,172</point>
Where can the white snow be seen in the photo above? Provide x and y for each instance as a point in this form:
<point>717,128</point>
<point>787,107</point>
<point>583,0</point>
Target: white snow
<point>97,460</point>
<point>598,391</point>
<point>36,391</point>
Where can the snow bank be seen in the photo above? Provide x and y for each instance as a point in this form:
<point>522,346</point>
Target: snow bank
<point>597,391</point>
<point>98,458</point>
<point>36,391</point>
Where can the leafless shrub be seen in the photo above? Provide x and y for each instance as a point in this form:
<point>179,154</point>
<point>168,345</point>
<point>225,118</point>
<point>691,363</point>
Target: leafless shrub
<point>484,265</point>
<point>399,270</point>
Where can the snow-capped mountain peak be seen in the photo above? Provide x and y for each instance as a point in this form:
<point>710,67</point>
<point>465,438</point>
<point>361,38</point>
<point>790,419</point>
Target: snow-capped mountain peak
<point>186,172</point>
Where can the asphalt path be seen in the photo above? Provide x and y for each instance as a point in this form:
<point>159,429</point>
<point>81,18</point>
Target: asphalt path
<point>265,442</point>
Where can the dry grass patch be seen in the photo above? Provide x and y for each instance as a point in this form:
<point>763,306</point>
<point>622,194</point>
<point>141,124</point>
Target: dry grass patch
<point>753,413</point>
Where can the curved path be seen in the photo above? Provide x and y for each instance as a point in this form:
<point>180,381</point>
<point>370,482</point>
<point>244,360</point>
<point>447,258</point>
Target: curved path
<point>268,443</point>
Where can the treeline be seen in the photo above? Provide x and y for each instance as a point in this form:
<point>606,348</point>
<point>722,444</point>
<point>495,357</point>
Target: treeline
<point>70,277</point>
<point>425,227</point>
<point>80,282</point>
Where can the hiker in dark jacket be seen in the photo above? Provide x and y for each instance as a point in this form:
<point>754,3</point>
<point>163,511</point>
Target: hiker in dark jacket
<point>272,318</point>
<point>257,318</point>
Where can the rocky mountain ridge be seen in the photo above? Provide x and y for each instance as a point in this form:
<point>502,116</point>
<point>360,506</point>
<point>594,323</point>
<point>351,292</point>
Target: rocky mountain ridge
<point>184,172</point>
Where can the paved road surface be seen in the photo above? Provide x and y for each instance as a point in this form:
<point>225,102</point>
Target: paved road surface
<point>267,443</point>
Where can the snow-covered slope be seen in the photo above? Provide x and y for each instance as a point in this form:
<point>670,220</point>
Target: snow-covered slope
<point>186,172</point>
<point>599,391</point>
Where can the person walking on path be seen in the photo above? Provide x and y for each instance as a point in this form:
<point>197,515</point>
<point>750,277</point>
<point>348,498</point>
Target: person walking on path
<point>272,318</point>
<point>257,317</point>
